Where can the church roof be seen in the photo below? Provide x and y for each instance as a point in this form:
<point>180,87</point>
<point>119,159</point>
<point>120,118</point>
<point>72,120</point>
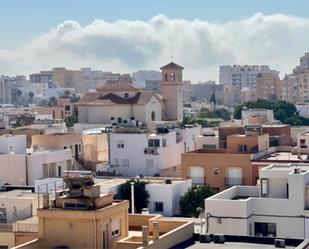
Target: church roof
<point>118,86</point>
<point>172,65</point>
<point>97,98</point>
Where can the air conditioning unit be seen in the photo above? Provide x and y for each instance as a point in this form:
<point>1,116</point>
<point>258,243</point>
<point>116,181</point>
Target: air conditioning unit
<point>219,238</point>
<point>205,238</point>
<point>279,243</point>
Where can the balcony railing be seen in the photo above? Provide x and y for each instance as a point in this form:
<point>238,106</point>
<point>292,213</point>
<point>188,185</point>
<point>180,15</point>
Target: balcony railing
<point>233,181</point>
<point>197,180</point>
<point>6,227</point>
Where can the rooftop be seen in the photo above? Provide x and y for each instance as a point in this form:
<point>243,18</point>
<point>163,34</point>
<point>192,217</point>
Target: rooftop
<point>281,156</point>
<point>172,65</point>
<point>18,194</point>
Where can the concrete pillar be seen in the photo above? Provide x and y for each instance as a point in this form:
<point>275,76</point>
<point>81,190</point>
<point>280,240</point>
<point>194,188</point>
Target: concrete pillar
<point>145,233</point>
<point>156,229</point>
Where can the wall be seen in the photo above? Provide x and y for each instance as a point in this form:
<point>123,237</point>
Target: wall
<point>209,161</point>
<point>18,143</point>
<point>95,147</point>
<point>13,169</point>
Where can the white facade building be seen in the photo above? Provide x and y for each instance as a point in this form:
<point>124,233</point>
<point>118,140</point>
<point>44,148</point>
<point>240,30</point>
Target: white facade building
<point>303,143</point>
<point>149,154</point>
<point>17,205</point>
<point>24,168</point>
<point>279,207</point>
<point>13,144</point>
<point>166,204</point>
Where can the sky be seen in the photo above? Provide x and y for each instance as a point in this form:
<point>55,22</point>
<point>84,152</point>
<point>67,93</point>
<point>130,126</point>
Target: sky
<point>125,36</point>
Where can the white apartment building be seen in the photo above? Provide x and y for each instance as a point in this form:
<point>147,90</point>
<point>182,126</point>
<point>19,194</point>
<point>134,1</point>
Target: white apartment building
<point>166,204</point>
<point>150,154</point>
<point>279,207</point>
<point>23,168</point>
<point>241,76</point>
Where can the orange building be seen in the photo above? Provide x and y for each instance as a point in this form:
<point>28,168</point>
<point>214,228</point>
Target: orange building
<point>223,168</point>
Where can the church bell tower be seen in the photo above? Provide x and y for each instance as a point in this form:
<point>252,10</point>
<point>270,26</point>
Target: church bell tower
<point>172,91</point>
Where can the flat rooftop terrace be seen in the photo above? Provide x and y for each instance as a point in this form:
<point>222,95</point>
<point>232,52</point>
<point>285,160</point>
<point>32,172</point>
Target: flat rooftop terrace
<point>280,156</point>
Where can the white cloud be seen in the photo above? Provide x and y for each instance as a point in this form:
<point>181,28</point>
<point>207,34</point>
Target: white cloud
<point>200,46</point>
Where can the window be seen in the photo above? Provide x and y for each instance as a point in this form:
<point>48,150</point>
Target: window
<point>172,77</point>
<point>3,215</point>
<point>116,227</point>
<point>119,120</point>
<point>242,148</point>
<point>67,108</point>
<point>303,143</point>
<point>164,142</point>
<point>120,144</point>
<point>126,162</point>
<point>79,147</point>
<point>112,118</point>
<point>166,77</point>
<point>209,146</point>
<point>59,171</point>
<point>153,142</point>
<point>159,206</point>
<point>153,116</point>
<point>126,95</point>
<point>264,187</point>
<point>265,229</point>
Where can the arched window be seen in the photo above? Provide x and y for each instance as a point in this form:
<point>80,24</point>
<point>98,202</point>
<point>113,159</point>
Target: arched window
<point>197,175</point>
<point>153,116</point>
<point>234,176</point>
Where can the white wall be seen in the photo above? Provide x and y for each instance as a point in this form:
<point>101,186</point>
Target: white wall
<point>170,198</point>
<point>17,142</point>
<point>13,169</point>
<point>134,145</point>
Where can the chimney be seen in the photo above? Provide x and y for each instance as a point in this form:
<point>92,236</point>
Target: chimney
<point>145,233</point>
<point>156,228</point>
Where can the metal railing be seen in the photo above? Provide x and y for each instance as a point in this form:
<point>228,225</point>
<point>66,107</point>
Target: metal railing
<point>6,227</point>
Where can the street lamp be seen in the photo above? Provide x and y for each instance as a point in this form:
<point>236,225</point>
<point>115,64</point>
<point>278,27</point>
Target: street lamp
<point>132,197</point>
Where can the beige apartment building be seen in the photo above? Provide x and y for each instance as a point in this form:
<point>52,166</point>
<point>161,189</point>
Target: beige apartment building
<point>268,86</point>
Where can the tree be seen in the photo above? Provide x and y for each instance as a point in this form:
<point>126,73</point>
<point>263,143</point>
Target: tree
<point>194,198</point>
<point>237,111</point>
<point>31,95</point>
<point>223,113</point>
<point>52,101</point>
<point>141,195</point>
<point>70,121</point>
<point>213,100</point>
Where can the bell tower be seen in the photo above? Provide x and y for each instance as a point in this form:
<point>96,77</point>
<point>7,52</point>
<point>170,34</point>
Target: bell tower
<point>172,91</point>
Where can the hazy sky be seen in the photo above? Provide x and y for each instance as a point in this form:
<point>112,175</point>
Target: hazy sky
<point>123,36</point>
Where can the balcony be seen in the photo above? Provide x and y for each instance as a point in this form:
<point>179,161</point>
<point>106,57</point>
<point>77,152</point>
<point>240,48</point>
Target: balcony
<point>233,181</point>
